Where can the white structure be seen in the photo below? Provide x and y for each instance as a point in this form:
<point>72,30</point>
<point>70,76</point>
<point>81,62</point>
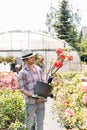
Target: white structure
<point>12,42</point>
<point>84,31</point>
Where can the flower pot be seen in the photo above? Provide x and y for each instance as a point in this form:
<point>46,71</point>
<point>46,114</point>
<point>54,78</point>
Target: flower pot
<point>42,89</point>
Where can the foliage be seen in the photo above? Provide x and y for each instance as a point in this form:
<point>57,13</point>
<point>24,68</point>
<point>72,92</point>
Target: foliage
<point>62,22</point>
<point>50,18</point>
<point>9,59</point>
<point>84,70</point>
<point>83,46</point>
<point>1,59</point>
<point>17,125</point>
<point>11,108</point>
<point>70,105</point>
<point>64,26</point>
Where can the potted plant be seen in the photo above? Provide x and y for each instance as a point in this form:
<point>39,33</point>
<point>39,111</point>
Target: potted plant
<point>43,89</point>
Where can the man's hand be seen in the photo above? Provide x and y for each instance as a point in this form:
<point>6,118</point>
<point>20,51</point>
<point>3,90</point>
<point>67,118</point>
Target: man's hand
<point>50,79</point>
<point>35,96</point>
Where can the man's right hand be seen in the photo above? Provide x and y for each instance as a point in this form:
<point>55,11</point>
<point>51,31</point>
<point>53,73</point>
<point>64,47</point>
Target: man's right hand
<point>35,96</point>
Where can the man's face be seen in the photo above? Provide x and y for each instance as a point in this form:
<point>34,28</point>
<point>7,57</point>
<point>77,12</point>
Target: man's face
<point>30,60</point>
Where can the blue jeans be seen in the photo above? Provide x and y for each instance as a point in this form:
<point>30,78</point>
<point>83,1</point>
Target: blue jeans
<point>35,112</point>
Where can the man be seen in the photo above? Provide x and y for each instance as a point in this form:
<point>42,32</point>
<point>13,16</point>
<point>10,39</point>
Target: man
<point>27,78</point>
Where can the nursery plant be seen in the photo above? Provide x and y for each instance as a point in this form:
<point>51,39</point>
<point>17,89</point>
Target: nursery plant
<point>70,105</point>
<point>63,56</point>
<point>11,108</point>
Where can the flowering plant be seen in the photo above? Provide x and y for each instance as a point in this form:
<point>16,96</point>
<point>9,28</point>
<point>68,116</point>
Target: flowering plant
<point>1,59</point>
<point>62,58</point>
<point>10,58</point>
<point>70,105</point>
<point>8,80</point>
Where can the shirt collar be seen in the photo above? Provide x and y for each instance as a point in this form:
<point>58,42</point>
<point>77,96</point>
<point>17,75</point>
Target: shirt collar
<point>26,67</point>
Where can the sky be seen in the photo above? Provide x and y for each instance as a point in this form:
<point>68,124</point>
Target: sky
<point>82,6</point>
<point>31,14</point>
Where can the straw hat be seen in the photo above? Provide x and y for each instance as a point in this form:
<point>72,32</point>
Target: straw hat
<point>27,53</point>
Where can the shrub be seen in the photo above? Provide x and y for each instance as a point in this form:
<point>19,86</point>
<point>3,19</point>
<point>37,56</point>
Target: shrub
<point>70,105</point>
<point>11,107</point>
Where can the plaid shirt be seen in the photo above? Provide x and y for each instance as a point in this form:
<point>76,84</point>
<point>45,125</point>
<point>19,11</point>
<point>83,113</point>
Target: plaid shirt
<point>27,79</point>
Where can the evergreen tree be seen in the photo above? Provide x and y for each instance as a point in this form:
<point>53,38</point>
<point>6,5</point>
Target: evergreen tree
<point>64,27</point>
<point>62,21</point>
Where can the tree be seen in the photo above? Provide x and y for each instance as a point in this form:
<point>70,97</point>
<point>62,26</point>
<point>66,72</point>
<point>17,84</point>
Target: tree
<point>83,46</point>
<point>83,49</point>
<point>64,25</point>
<point>50,19</point>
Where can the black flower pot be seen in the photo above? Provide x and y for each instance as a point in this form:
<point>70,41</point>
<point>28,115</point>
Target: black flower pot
<point>42,89</point>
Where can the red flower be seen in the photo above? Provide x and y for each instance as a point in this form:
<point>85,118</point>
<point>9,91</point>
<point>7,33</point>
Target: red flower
<point>58,64</point>
<point>62,56</point>
<point>67,103</point>
<point>59,50</point>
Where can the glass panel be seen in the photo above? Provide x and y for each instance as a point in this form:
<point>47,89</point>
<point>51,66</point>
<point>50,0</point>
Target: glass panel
<point>5,41</point>
<point>19,41</point>
<point>35,41</point>
<point>52,43</point>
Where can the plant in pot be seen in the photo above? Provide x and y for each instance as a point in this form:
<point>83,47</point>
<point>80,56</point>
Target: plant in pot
<point>43,89</point>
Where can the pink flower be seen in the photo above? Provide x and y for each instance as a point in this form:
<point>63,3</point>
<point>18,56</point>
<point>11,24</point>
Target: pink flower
<point>85,111</point>
<point>84,88</point>
<point>59,96</point>
<point>84,99</point>
<point>69,112</point>
<point>9,80</point>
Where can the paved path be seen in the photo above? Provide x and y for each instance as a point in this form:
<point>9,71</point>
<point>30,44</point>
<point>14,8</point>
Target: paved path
<point>49,123</point>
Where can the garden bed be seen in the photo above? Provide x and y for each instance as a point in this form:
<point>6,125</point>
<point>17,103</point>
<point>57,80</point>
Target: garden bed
<point>70,105</point>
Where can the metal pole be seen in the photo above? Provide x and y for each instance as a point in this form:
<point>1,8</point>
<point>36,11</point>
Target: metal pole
<point>28,39</point>
<point>11,41</point>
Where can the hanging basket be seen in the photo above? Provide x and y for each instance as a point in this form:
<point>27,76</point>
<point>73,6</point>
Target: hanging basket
<point>42,89</point>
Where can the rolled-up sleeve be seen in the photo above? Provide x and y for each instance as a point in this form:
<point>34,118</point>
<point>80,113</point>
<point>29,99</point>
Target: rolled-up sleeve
<point>21,81</point>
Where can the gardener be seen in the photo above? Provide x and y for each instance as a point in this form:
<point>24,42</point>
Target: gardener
<point>27,77</point>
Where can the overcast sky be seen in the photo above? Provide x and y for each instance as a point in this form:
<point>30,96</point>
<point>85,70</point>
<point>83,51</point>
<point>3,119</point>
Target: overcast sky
<point>31,14</point>
<point>82,6</point>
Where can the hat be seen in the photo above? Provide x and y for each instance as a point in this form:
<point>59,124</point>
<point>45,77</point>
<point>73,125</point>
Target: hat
<point>27,53</point>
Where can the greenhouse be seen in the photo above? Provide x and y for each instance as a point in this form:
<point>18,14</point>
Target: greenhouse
<point>68,91</point>
<point>12,42</point>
